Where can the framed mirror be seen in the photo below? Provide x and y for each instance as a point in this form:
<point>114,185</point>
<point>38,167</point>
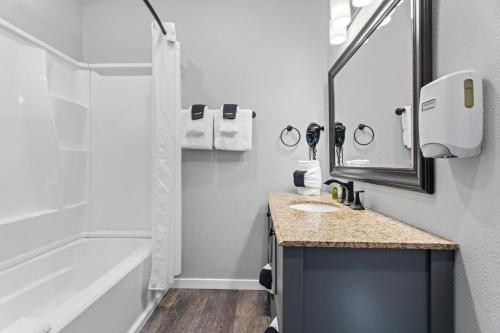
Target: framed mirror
<point>374,91</point>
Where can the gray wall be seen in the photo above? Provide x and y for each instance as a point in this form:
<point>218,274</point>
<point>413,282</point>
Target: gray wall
<point>58,23</point>
<point>266,55</point>
<point>465,207</point>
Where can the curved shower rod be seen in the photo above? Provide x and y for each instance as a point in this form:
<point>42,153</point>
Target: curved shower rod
<point>155,15</point>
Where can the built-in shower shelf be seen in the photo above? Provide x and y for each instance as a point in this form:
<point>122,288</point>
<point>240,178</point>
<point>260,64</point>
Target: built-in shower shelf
<point>76,205</point>
<point>33,215</point>
<point>77,150</point>
<point>68,102</point>
<point>28,216</point>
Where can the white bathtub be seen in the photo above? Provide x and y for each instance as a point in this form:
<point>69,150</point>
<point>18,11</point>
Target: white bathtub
<point>89,285</point>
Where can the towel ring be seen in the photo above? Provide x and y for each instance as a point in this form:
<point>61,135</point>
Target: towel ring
<point>288,129</point>
<point>361,127</point>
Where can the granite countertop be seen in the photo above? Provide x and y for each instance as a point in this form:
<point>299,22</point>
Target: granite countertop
<point>345,228</point>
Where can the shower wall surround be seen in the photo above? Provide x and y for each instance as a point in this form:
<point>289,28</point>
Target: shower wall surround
<point>121,154</point>
<point>44,143</point>
<point>56,22</point>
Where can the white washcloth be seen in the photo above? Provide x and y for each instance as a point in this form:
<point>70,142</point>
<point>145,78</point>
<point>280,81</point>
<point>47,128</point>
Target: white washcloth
<point>240,141</point>
<point>407,123</point>
<point>312,178</point>
<point>195,127</point>
<point>230,126</point>
<point>315,169</point>
<point>274,324</point>
<point>27,325</point>
<point>199,133</point>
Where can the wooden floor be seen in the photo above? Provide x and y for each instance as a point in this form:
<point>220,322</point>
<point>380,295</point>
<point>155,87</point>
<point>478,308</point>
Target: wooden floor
<point>210,311</point>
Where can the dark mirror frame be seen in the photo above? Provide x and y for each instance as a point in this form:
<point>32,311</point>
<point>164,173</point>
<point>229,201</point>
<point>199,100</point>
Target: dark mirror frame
<point>421,177</point>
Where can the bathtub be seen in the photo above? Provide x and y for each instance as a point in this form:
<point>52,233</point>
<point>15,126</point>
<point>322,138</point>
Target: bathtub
<point>88,285</point>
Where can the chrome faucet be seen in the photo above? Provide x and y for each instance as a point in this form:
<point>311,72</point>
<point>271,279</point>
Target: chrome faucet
<point>348,186</point>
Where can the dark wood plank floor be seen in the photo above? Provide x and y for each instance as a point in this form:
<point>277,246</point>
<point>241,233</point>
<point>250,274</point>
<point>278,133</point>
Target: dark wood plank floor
<point>210,311</point>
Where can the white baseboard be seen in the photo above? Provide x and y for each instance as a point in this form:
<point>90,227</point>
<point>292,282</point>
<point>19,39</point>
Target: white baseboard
<point>230,284</point>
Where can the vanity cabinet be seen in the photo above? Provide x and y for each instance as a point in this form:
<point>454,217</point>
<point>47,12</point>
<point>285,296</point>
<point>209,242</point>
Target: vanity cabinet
<point>364,290</point>
<point>341,289</point>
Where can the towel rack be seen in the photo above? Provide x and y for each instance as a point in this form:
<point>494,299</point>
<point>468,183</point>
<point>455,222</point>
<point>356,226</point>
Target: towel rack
<point>155,15</point>
<point>399,111</point>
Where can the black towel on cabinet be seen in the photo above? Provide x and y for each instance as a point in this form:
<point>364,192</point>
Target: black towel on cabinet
<point>266,277</point>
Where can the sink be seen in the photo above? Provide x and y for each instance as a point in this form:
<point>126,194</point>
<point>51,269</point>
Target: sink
<point>314,207</point>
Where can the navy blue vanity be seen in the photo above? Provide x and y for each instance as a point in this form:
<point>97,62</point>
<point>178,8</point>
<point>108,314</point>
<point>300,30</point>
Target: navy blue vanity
<point>356,271</point>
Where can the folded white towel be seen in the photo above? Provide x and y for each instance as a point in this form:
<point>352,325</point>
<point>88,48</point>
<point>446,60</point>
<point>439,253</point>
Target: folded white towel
<point>28,325</point>
<point>274,323</point>
<point>196,127</point>
<point>357,162</point>
<point>315,172</point>
<point>230,126</point>
<point>312,178</point>
<point>199,133</point>
<point>273,327</point>
<point>237,141</point>
<point>407,124</point>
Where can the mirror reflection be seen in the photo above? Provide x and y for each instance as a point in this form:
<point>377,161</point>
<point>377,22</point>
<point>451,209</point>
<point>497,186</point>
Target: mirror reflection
<point>373,97</point>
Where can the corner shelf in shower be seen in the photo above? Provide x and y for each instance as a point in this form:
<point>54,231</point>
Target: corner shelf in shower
<point>76,205</point>
<point>41,213</point>
<point>28,216</point>
<point>75,150</point>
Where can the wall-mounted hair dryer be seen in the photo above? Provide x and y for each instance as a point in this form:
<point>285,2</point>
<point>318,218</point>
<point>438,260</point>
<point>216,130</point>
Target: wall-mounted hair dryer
<point>313,134</point>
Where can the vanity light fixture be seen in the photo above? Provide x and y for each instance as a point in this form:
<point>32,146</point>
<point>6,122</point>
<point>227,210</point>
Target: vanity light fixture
<point>361,3</point>
<point>338,35</point>
<point>340,13</point>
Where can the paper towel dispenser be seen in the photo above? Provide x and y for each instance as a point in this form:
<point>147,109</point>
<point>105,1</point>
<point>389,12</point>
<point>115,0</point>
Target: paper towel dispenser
<point>451,116</point>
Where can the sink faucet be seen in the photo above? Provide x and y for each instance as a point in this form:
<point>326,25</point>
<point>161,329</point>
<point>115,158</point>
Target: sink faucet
<point>349,187</point>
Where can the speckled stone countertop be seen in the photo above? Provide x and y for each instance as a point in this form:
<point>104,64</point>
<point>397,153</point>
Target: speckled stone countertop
<point>345,228</point>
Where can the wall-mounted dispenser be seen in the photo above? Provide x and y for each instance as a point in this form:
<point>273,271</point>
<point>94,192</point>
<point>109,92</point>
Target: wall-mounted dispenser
<point>451,116</point>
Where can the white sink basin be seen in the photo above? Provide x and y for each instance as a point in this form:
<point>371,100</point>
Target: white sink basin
<point>314,207</point>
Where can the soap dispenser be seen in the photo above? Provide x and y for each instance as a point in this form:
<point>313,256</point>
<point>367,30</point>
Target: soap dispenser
<point>343,196</point>
<point>357,205</point>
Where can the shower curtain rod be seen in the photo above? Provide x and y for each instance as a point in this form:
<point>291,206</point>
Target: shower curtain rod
<point>155,15</point>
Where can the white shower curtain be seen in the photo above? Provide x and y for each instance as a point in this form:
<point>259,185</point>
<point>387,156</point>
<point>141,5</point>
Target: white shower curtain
<point>167,196</point>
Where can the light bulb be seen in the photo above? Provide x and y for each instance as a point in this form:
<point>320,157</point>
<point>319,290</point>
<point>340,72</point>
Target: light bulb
<point>340,13</point>
<point>338,35</point>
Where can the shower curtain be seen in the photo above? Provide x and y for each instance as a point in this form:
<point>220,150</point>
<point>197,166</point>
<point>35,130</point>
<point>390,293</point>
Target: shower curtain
<point>167,204</point>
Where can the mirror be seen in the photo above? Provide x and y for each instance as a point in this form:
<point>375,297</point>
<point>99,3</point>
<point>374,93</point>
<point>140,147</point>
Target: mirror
<point>375,82</point>
<point>374,88</point>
